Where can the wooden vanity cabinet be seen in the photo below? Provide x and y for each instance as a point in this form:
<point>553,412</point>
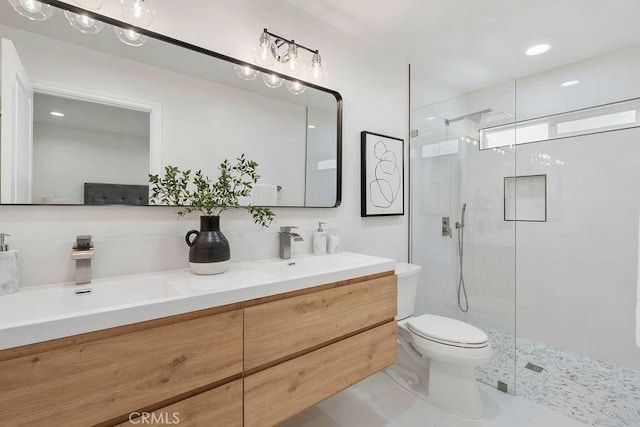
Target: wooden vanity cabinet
<point>104,380</point>
<point>253,363</point>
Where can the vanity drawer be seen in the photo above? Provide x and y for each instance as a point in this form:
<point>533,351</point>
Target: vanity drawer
<point>277,393</point>
<point>101,380</point>
<point>282,328</point>
<point>221,406</point>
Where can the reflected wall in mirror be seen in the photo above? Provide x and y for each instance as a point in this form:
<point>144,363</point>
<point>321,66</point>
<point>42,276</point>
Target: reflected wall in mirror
<point>87,108</point>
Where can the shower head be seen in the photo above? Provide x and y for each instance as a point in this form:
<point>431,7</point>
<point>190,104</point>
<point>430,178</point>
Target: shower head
<point>486,116</point>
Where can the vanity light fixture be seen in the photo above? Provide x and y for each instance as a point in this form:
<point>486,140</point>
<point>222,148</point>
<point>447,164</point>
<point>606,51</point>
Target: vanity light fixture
<point>273,48</point>
<point>138,12</point>
<point>56,113</point>
<point>32,9</point>
<point>537,49</point>
<point>84,23</point>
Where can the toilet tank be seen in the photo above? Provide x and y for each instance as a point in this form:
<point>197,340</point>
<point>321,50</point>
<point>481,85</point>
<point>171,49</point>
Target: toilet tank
<point>408,275</point>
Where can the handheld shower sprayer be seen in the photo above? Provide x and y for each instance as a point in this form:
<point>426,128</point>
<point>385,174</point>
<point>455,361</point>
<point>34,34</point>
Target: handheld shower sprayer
<point>463,302</point>
<point>461,223</point>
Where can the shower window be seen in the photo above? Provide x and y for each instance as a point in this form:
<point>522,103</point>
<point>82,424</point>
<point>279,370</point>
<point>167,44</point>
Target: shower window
<point>603,118</point>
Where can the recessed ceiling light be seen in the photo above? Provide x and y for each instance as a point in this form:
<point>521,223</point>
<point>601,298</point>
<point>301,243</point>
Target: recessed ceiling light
<point>56,113</point>
<point>570,83</point>
<point>537,49</point>
<point>311,126</point>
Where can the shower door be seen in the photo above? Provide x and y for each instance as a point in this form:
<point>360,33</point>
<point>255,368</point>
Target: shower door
<point>459,232</point>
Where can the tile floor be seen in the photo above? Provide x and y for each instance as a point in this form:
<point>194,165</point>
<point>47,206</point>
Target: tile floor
<point>592,391</point>
<point>378,402</point>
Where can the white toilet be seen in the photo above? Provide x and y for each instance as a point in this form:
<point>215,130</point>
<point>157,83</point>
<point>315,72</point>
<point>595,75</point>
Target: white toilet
<point>437,355</point>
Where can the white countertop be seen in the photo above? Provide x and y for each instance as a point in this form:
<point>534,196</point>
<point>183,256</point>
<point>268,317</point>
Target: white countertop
<point>42,313</point>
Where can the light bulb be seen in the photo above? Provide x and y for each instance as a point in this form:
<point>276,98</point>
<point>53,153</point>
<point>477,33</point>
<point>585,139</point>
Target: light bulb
<point>272,81</point>
<point>262,53</point>
<point>130,36</point>
<point>84,23</point>
<point>295,87</point>
<point>89,4</point>
<point>32,9</point>
<point>295,63</point>
<point>138,12</point>
<point>318,70</point>
<point>245,72</point>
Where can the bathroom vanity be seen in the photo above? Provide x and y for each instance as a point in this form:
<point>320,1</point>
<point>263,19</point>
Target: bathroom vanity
<point>272,339</point>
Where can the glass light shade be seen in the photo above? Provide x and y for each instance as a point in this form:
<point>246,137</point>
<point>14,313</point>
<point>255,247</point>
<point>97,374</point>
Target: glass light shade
<point>245,72</point>
<point>318,69</point>
<point>272,81</point>
<point>89,4</point>
<point>296,63</point>
<point>32,9</point>
<point>295,87</point>
<point>130,36</point>
<point>138,12</point>
<point>84,23</point>
<point>262,53</point>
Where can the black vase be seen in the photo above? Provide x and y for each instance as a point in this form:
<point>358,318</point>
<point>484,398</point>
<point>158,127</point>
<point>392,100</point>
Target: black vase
<point>209,253</point>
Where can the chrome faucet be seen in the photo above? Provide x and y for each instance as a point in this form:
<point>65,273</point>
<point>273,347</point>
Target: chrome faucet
<point>82,253</point>
<point>285,241</point>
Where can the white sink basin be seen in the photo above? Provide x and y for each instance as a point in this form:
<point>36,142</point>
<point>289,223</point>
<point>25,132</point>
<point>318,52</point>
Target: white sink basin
<point>53,311</point>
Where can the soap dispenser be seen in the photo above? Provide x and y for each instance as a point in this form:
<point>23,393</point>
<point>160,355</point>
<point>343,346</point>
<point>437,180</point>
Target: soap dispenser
<point>9,273</point>
<point>320,241</point>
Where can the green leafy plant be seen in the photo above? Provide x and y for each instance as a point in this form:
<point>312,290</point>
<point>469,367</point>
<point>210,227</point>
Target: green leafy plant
<point>197,193</point>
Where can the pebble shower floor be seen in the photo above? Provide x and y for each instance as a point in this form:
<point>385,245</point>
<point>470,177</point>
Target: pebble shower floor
<point>592,391</point>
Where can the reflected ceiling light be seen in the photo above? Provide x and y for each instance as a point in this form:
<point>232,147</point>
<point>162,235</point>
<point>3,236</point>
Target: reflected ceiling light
<point>56,113</point>
<point>537,49</point>
<point>138,12</point>
<point>311,126</point>
<point>89,4</point>
<point>570,83</point>
<point>130,36</point>
<point>295,87</point>
<point>84,23</point>
<point>272,80</point>
<point>245,72</point>
<point>32,9</point>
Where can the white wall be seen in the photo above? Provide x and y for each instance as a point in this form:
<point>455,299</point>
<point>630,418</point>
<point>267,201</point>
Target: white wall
<point>132,239</point>
<point>64,158</point>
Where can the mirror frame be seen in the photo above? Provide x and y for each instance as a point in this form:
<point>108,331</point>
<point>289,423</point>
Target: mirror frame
<point>213,54</point>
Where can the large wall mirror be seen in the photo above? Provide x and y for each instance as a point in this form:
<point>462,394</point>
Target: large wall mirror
<point>82,109</point>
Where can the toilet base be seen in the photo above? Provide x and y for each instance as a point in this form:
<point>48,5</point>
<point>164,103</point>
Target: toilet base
<point>454,389</point>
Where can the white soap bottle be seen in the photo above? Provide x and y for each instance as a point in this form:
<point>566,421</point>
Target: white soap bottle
<point>320,241</point>
<point>9,272</point>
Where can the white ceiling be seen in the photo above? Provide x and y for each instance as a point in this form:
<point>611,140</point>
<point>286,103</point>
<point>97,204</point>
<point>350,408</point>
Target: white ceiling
<point>472,44</point>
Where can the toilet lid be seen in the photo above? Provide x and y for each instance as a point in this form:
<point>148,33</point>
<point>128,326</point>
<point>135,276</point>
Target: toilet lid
<point>447,331</point>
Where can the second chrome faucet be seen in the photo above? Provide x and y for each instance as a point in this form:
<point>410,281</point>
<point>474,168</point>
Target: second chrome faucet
<point>286,236</point>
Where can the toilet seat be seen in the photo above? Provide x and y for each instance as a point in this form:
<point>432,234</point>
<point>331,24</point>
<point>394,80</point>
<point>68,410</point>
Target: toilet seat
<point>447,331</point>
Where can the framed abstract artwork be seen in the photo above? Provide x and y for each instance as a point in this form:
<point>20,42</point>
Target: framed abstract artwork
<point>381,175</point>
